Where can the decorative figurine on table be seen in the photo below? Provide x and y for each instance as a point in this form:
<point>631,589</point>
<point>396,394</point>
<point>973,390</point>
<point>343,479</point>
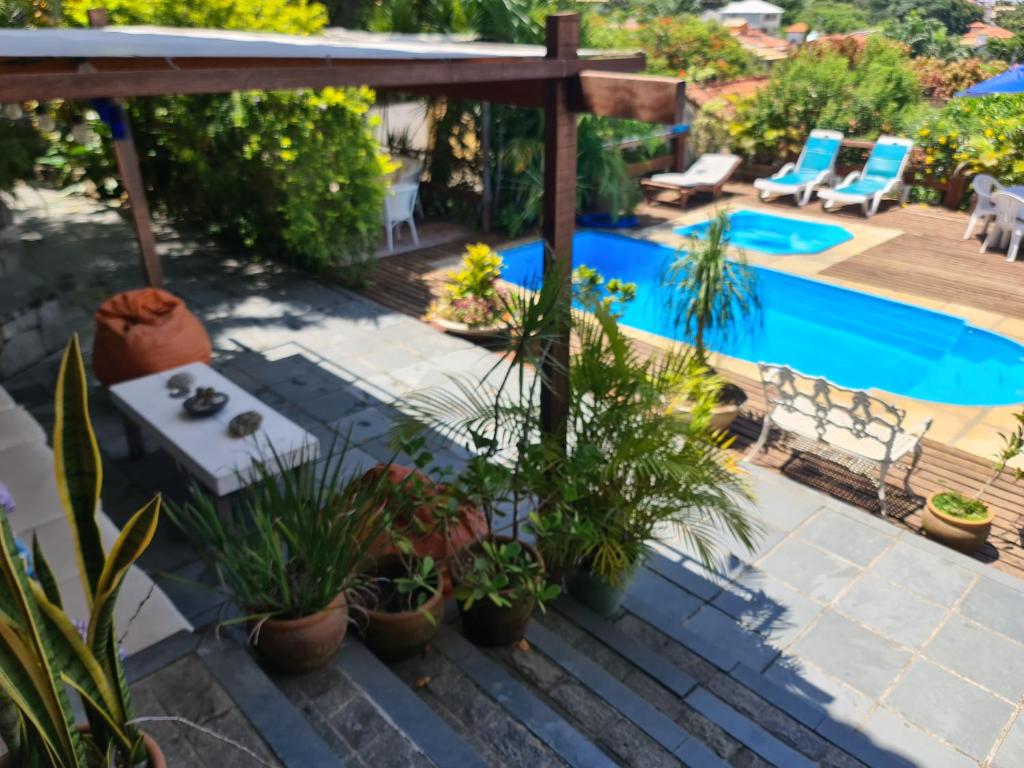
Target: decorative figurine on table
<point>205,402</point>
<point>245,424</point>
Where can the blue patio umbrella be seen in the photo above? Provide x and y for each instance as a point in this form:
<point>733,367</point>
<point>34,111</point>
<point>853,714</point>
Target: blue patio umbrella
<point>1010,81</point>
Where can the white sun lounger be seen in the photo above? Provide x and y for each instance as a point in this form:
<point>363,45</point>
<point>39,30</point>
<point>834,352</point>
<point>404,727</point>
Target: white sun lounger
<point>814,168</point>
<point>708,174</point>
<point>882,175</point>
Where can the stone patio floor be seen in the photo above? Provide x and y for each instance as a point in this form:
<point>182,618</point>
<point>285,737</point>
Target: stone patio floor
<point>912,644</point>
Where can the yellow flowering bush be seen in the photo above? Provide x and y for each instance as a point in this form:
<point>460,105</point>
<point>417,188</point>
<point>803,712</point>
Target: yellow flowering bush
<point>472,295</point>
<point>983,135</point>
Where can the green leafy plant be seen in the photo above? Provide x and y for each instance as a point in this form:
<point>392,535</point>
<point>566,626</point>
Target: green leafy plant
<point>861,91</point>
<point>971,507</point>
<point>712,294</point>
<point>504,573</point>
<point>958,505</point>
<point>292,175</point>
<point>636,469</point>
<point>497,417</point>
<point>41,650</point>
<point>297,538</point>
<point>472,294</point>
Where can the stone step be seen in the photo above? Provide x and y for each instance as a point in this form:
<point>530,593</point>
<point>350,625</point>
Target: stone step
<point>482,722</point>
<point>618,695</point>
<point>282,725</point>
<point>414,717</point>
<point>531,703</point>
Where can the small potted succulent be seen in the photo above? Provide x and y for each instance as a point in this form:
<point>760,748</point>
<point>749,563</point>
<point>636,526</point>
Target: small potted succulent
<point>473,303</point>
<point>400,605</point>
<point>298,542</point>
<point>964,522</point>
<point>712,296</point>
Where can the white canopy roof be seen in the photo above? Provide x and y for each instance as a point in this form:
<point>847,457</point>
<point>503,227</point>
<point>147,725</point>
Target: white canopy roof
<point>175,42</point>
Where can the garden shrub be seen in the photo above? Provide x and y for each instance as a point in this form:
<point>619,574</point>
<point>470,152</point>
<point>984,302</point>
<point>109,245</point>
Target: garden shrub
<point>680,46</point>
<point>864,93</point>
<point>296,175</point>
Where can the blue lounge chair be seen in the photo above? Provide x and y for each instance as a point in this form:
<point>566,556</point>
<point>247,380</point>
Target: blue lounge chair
<point>882,175</point>
<point>815,167</point>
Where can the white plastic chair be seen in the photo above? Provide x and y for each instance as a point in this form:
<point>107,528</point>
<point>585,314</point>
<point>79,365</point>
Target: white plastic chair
<point>399,206</point>
<point>984,187</point>
<point>408,172</point>
<point>1008,227</point>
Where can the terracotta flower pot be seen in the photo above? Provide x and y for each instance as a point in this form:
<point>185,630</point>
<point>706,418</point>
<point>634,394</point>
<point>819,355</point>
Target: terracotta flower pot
<point>490,625</point>
<point>299,645</point>
<point>471,331</point>
<point>429,538</point>
<point>956,532</point>
<point>394,636</point>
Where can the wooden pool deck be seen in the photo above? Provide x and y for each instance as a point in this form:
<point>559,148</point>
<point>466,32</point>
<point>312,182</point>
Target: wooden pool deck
<point>916,254</point>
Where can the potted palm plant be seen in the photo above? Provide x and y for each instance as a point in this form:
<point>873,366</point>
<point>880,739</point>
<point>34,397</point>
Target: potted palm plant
<point>964,522</point>
<point>299,539</point>
<point>635,470</point>
<point>500,579</point>
<point>41,650</point>
<point>473,304</point>
<point>711,296</point>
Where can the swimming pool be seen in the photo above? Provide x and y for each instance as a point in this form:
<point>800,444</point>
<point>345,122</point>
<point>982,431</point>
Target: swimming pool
<point>852,338</point>
<point>774,235</point>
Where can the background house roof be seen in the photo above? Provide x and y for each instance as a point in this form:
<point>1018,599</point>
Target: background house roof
<point>750,6</point>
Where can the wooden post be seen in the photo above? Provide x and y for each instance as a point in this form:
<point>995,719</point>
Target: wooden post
<point>131,178</point>
<point>563,35</point>
<point>485,168</point>
<point>679,142</point>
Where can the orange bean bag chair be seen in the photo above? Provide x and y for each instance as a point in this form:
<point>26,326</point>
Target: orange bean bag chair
<point>146,331</point>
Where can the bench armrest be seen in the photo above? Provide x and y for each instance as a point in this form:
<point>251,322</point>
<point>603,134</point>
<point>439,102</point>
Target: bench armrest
<point>921,428</point>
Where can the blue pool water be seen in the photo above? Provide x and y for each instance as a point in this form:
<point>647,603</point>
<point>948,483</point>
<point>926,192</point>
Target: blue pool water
<point>774,235</point>
<point>852,338</point>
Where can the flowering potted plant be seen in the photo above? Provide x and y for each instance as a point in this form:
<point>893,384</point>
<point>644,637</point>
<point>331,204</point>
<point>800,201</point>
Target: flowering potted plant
<point>963,522</point>
<point>473,304</point>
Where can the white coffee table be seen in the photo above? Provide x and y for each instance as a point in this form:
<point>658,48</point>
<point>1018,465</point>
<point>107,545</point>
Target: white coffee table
<point>203,446</point>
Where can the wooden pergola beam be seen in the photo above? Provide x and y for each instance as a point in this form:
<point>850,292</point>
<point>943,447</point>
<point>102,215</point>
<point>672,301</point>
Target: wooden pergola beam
<point>606,93</point>
<point>122,78</point>
<point>637,97</point>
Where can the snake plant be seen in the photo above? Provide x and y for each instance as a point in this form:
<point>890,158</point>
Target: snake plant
<point>42,653</point>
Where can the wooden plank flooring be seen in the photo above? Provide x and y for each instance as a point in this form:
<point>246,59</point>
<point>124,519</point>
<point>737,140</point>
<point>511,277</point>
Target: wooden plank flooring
<point>929,260</point>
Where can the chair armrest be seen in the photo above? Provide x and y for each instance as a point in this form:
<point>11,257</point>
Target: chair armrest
<point>783,170</point>
<point>851,177</point>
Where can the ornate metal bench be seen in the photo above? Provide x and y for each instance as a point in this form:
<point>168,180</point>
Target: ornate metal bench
<point>847,426</point>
